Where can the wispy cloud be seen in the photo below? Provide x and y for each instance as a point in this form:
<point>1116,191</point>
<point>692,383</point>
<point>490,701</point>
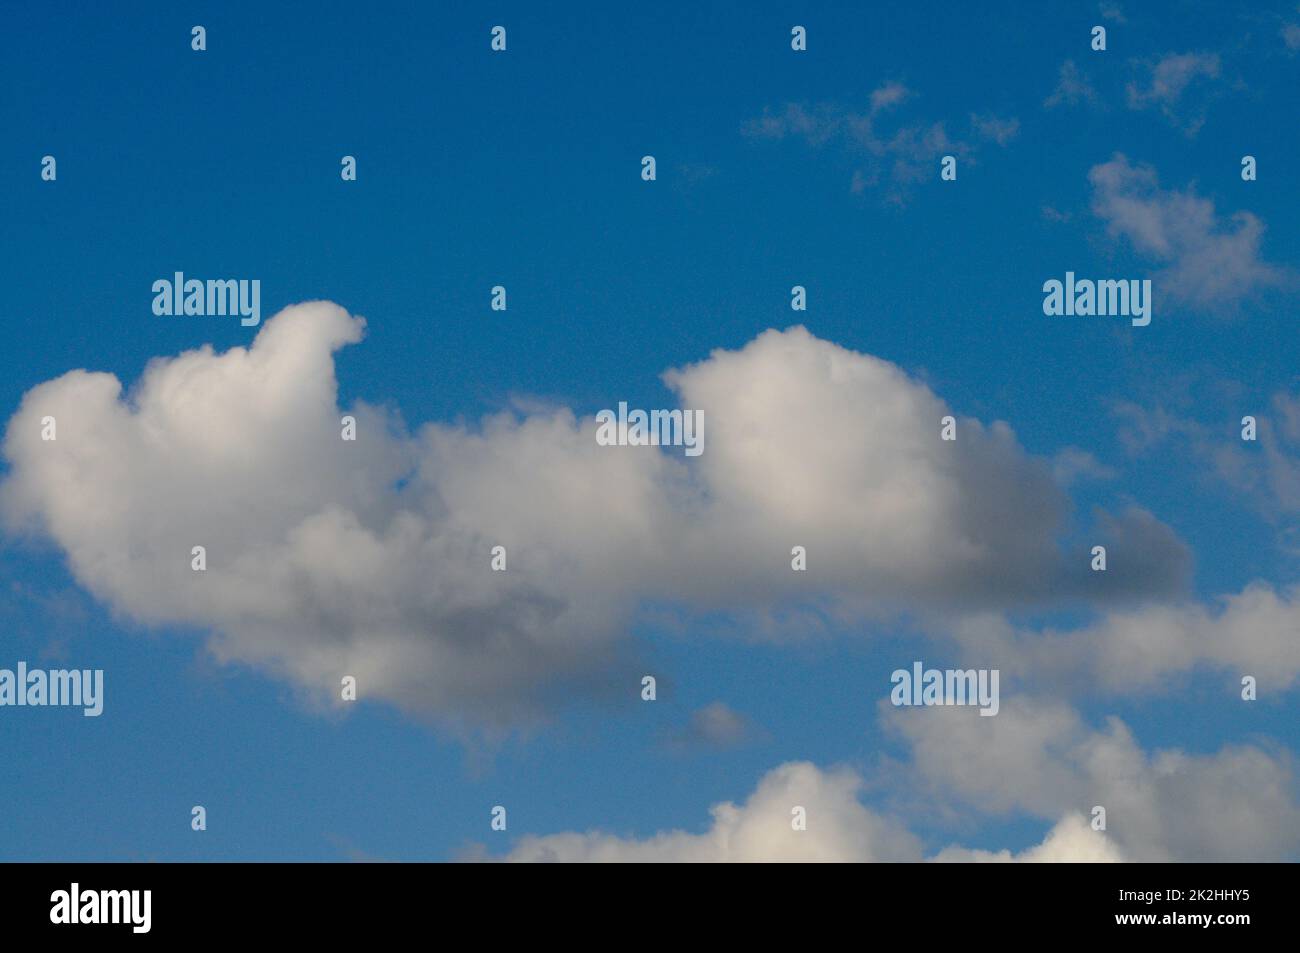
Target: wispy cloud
<point>1210,261</point>
<point>1072,88</point>
<point>995,129</point>
<point>376,563</point>
<point>899,154</point>
<point>1038,758</point>
<point>1291,36</point>
<point>1111,11</point>
<point>1073,464</point>
<point>1263,475</point>
<point>1165,82</point>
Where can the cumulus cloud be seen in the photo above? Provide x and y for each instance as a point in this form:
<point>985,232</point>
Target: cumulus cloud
<point>1263,474</point>
<point>1035,759</point>
<point>1072,840</point>
<point>1165,83</point>
<point>1142,427</point>
<point>371,558</point>
<point>1209,262</point>
<point>1040,758</point>
<point>324,557</point>
<point>839,829</point>
<point>1146,649</point>
<point>900,154</point>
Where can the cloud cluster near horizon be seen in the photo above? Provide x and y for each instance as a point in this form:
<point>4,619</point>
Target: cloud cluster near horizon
<point>329,558</point>
<point>840,829</point>
<point>1039,758</point>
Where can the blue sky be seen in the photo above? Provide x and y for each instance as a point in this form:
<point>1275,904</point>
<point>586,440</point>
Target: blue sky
<point>523,169</point>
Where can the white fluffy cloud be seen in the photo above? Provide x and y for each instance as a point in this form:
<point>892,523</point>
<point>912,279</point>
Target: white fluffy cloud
<point>838,829</point>
<point>1209,262</point>
<point>1145,649</point>
<point>816,445</point>
<point>328,558</point>
<point>1040,758</point>
<point>1263,474</point>
<point>318,564</point>
<point>371,558</point>
<point>716,725</point>
<point>1036,759</point>
<point>1071,841</point>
